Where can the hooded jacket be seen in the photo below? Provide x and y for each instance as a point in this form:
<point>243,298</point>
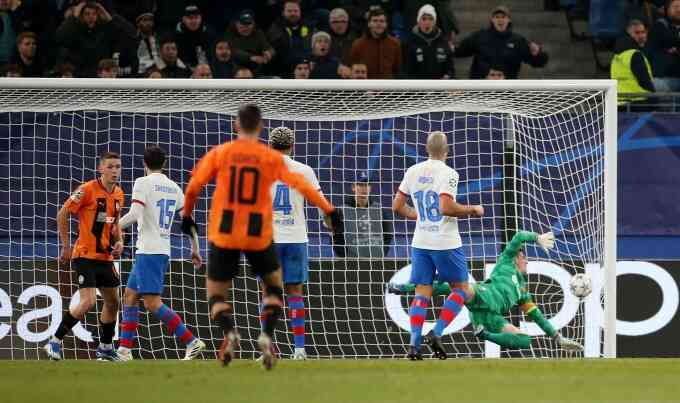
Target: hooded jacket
<point>489,47</point>
<point>290,44</point>
<point>428,56</point>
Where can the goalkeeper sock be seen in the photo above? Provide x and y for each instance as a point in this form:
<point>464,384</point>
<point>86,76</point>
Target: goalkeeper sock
<point>452,306</point>
<point>106,333</point>
<point>508,340</point>
<point>417,313</point>
<point>67,323</point>
<point>262,318</point>
<point>128,327</point>
<point>174,324</point>
<point>296,313</point>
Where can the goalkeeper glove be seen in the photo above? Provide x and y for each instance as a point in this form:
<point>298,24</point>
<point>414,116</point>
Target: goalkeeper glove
<point>189,225</point>
<point>336,223</point>
<point>546,241</point>
<point>567,344</point>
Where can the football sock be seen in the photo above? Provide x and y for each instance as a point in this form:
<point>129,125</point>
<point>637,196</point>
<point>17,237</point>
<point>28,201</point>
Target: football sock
<point>67,323</point>
<point>174,324</point>
<point>106,333</point>
<point>128,327</point>
<point>296,313</point>
<point>452,306</point>
<point>417,314</point>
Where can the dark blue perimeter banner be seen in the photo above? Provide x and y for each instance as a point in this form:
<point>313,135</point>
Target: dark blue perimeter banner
<point>44,156</point>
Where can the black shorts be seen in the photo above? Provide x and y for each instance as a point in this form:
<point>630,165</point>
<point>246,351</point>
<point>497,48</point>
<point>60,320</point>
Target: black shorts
<point>223,263</point>
<point>95,273</point>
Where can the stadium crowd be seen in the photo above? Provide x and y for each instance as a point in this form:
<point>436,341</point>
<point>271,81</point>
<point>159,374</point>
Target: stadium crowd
<point>349,39</point>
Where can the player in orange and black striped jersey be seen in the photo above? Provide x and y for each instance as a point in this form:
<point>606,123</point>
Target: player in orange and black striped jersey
<point>97,205</point>
<point>241,221</point>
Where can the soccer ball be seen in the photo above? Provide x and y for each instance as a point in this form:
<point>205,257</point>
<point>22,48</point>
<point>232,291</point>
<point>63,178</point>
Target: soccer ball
<point>581,285</point>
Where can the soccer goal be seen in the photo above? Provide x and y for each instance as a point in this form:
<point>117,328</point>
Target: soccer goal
<point>538,155</point>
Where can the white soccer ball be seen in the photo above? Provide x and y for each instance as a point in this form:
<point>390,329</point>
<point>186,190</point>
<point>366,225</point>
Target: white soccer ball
<point>581,285</point>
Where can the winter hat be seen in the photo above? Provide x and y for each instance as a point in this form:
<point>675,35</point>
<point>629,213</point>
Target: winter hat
<point>429,10</point>
<point>320,35</point>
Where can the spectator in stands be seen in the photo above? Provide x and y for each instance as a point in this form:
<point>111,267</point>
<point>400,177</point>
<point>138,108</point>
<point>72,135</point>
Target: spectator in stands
<point>171,66</point>
<point>202,71</point>
<point>630,66</point>
<point>664,49</point>
<point>222,64</point>
<point>342,39</point>
<point>148,50</point>
<point>446,20</point>
<point>249,46</point>
<point>89,35</point>
<point>495,73</point>
<point>26,56</point>
<point>359,71</point>
<point>194,39</point>
<point>289,37</point>
<point>498,45</point>
<point>107,68</point>
<point>9,27</point>
<point>243,72</point>
<point>302,69</point>
<point>380,51</point>
<point>427,51</point>
<point>323,65</point>
<point>368,230</point>
<point>153,72</point>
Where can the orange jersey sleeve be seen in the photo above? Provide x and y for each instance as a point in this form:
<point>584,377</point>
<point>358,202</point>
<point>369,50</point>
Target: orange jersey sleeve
<point>301,184</point>
<point>98,211</point>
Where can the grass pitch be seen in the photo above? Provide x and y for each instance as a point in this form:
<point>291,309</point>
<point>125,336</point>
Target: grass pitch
<point>343,381</point>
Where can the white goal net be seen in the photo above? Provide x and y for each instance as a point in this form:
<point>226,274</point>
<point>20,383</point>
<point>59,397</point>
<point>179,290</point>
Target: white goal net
<point>534,154</point>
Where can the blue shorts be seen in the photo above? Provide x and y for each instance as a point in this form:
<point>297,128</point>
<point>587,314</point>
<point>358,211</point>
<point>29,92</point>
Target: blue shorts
<point>148,274</point>
<point>448,265</point>
<point>294,262</point>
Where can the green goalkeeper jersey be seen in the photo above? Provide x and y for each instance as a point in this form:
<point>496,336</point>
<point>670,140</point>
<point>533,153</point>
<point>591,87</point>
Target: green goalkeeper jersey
<point>507,286</point>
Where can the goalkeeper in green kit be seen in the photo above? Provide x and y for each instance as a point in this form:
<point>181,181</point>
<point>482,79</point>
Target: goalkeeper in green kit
<point>506,288</point>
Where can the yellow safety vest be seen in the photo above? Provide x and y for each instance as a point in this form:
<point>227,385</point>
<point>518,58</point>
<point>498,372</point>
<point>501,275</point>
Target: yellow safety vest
<point>621,71</point>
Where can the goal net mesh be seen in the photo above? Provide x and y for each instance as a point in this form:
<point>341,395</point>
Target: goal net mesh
<point>533,159</point>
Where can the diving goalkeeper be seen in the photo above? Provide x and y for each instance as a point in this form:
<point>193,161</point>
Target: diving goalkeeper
<point>506,288</point>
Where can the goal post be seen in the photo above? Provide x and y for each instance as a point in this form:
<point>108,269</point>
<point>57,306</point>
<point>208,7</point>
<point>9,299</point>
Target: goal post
<point>563,168</point>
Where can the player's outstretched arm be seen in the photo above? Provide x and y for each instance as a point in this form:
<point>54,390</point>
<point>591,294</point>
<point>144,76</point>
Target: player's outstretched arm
<point>400,206</point>
<point>545,241</point>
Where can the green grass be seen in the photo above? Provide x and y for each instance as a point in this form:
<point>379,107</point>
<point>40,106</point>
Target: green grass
<point>345,381</point>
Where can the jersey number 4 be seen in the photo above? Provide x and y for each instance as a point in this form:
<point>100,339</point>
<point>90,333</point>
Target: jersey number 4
<point>282,199</point>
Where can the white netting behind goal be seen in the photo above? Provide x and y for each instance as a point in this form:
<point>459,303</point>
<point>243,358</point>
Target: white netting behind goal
<point>534,159</point>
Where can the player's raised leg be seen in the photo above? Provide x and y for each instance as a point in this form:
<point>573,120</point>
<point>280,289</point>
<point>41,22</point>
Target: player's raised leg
<point>265,265</point>
<point>222,267</point>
